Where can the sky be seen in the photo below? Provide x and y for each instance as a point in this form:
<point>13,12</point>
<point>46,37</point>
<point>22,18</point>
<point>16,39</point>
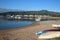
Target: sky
<point>51,5</point>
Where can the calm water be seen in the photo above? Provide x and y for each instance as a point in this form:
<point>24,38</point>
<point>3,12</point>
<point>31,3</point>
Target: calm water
<point>5,24</point>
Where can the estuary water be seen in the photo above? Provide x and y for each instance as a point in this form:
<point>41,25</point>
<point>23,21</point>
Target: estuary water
<point>6,24</point>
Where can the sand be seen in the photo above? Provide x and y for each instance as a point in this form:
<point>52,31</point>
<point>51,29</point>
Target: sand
<point>26,33</point>
<point>49,35</point>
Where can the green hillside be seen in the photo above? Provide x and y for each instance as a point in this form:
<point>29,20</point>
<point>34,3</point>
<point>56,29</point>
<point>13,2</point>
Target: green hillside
<point>41,12</point>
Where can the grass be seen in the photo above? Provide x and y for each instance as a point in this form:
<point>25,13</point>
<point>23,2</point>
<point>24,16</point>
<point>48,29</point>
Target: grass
<point>58,38</point>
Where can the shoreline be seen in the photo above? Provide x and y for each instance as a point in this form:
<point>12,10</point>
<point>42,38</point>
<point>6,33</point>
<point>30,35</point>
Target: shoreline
<point>28,32</point>
<point>19,27</point>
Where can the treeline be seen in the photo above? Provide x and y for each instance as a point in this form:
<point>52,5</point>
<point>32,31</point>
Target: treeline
<point>42,12</point>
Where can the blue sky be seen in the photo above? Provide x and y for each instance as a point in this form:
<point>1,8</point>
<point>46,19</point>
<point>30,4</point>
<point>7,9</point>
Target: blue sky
<point>52,5</point>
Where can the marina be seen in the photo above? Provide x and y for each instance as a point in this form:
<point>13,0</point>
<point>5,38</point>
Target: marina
<point>26,17</point>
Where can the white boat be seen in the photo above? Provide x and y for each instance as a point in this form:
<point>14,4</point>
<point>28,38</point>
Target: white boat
<point>56,25</point>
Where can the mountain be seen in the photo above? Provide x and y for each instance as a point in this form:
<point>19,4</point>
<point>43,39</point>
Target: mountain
<point>4,10</point>
<point>41,12</point>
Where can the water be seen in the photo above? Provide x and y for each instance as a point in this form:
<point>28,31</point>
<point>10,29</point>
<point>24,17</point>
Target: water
<point>6,24</point>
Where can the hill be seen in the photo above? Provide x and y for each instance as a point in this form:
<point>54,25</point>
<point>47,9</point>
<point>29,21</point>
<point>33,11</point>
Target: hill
<point>19,12</point>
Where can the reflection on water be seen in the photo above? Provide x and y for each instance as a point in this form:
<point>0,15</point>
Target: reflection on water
<point>4,24</point>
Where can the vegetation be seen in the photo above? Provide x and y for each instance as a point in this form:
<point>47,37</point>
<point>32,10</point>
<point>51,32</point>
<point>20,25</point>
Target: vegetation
<point>58,38</point>
<point>42,12</point>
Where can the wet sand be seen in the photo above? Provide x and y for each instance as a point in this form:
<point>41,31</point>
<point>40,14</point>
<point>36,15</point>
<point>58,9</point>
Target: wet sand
<point>26,33</point>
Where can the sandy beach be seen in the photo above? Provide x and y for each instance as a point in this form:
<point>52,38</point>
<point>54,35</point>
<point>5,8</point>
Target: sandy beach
<point>27,33</point>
